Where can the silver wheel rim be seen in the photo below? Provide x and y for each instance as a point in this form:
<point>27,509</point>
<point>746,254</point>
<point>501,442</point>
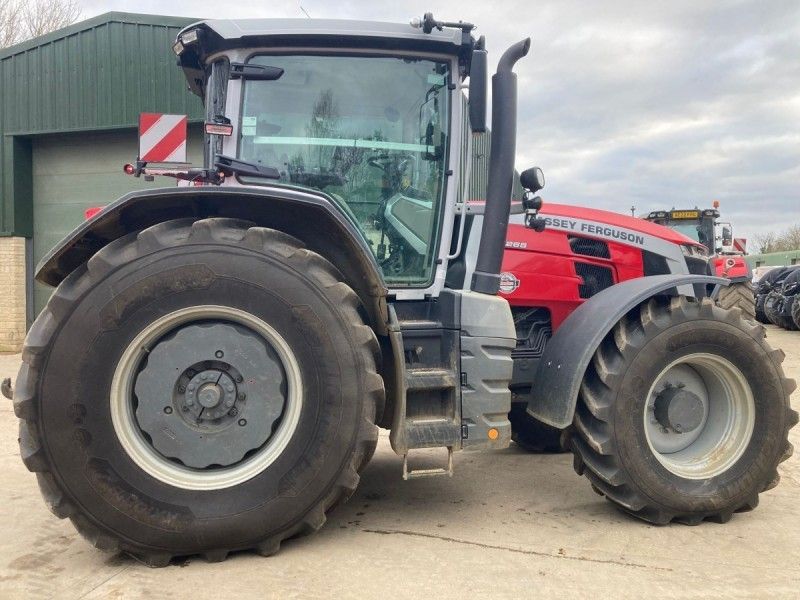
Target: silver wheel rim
<point>724,419</point>
<point>140,450</point>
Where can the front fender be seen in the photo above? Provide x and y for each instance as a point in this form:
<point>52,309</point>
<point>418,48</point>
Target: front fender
<point>309,216</point>
<point>569,351</point>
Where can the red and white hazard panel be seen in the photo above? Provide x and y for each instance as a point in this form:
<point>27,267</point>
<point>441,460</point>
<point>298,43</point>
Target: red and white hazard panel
<point>740,244</point>
<point>162,138</point>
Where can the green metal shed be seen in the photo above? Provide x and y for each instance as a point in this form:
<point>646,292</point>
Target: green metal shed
<point>69,105</point>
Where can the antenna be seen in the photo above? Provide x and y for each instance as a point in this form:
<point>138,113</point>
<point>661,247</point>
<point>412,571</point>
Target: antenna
<point>305,12</point>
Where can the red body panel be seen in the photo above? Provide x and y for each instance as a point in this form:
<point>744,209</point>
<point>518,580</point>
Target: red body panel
<point>732,266</point>
<point>544,264</point>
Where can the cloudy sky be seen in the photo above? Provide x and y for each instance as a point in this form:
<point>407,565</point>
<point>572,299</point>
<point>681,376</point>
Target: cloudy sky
<point>651,104</point>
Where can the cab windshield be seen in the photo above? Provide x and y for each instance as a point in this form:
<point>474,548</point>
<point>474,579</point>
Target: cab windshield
<point>371,132</point>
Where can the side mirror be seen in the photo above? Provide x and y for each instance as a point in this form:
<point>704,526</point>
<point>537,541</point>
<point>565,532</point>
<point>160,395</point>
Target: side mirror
<point>532,179</point>
<point>727,236</point>
<point>478,88</point>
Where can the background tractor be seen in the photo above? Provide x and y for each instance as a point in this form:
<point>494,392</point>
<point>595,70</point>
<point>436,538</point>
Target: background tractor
<point>212,368</point>
<point>726,252</point>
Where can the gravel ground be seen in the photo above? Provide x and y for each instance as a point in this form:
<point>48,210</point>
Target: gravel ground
<point>508,524</point>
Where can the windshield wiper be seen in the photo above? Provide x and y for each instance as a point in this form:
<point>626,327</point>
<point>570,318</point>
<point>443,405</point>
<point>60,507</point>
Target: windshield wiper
<point>229,165</point>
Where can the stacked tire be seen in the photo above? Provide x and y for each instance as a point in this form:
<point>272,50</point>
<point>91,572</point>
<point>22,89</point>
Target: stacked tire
<point>765,285</point>
<point>780,303</point>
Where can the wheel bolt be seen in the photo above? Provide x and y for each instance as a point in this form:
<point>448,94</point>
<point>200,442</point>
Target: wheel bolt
<point>190,402</point>
<point>168,410</point>
<point>185,409</point>
<point>229,388</point>
<point>242,422</point>
<point>228,403</point>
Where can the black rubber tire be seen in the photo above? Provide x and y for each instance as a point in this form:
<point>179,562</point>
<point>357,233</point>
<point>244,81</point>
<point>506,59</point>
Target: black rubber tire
<point>62,390</point>
<point>796,312</point>
<point>778,313</point>
<point>608,437</point>
<point>772,300</point>
<point>739,295</point>
<point>761,316</point>
<point>531,434</point>
<point>788,320</point>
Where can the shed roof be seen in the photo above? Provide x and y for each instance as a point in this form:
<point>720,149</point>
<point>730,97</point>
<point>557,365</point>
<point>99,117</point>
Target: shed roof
<point>88,24</point>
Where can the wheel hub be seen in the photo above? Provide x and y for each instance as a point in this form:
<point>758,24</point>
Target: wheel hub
<point>209,394</point>
<point>679,409</point>
<point>699,415</point>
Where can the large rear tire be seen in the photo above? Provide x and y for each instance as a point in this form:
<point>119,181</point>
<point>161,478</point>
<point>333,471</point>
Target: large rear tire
<point>739,295</point>
<point>683,413</point>
<point>199,388</point>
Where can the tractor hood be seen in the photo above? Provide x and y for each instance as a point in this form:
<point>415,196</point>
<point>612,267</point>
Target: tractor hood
<point>619,220</point>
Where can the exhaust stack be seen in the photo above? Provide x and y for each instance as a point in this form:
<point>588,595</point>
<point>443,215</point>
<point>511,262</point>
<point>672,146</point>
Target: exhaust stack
<point>486,278</point>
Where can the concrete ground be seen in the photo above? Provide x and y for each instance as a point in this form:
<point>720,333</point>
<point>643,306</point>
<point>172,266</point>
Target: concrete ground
<point>509,524</point>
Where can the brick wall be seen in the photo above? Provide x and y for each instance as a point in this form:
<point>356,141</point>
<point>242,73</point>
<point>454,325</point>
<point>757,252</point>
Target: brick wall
<point>12,293</point>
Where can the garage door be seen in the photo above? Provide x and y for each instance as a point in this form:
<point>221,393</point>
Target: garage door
<point>74,172</point>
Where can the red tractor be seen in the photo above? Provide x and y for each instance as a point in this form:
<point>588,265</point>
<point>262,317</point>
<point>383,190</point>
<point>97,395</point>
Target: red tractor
<point>578,253</point>
<point>726,252</point>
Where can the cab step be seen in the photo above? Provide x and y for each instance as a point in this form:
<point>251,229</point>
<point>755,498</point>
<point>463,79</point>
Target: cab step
<point>418,473</point>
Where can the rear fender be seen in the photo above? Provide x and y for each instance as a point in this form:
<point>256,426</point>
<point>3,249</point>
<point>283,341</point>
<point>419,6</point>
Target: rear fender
<point>310,216</point>
<point>569,351</point>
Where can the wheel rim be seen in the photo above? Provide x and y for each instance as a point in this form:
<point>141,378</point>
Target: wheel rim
<point>206,397</point>
<point>699,416</point>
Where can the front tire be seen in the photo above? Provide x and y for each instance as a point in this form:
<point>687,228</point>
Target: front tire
<point>683,360</point>
<point>738,295</point>
<point>199,388</point>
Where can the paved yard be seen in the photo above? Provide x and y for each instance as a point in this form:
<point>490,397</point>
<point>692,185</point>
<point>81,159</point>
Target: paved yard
<point>508,524</point>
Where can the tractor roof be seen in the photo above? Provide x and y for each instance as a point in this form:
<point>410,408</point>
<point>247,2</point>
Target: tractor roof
<point>216,35</point>
<point>244,32</point>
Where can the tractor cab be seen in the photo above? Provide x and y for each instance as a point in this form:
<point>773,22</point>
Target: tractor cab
<point>365,113</point>
<point>702,225</point>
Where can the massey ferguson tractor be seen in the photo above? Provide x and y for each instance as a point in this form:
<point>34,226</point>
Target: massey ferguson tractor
<point>213,366</point>
<point>581,252</point>
<point>726,253</point>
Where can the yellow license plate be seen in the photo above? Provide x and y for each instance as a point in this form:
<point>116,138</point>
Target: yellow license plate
<point>685,214</point>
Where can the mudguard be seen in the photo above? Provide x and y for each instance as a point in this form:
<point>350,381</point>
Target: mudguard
<point>569,351</point>
<point>312,217</point>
